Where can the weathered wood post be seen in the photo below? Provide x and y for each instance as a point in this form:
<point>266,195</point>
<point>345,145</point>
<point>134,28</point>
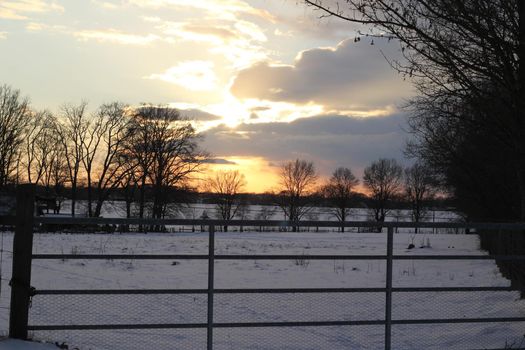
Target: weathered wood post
<point>21,290</point>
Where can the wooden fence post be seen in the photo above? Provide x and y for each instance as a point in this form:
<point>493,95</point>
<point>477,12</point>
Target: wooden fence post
<point>21,290</point>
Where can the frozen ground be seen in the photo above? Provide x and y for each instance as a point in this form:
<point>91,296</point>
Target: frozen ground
<point>151,274</point>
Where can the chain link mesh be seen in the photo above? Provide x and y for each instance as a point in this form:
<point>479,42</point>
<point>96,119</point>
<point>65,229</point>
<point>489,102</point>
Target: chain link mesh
<point>299,307</point>
<point>141,339</point>
<point>300,338</point>
<point>461,336</point>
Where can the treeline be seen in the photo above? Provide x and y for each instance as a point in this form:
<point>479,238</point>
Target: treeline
<point>146,152</point>
<point>300,191</point>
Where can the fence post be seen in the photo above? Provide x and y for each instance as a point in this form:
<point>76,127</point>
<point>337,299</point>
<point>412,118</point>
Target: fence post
<point>388,308</point>
<point>211,277</point>
<point>21,290</point>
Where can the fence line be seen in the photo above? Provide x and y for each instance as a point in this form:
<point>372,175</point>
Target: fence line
<point>22,291</point>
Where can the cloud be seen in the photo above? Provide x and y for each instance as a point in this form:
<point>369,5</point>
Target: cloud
<point>115,36</point>
<point>195,114</point>
<point>351,76</point>
<point>19,9</point>
<point>105,4</point>
<point>239,41</point>
<point>226,9</point>
<point>3,35</point>
<point>219,161</point>
<point>192,75</point>
<point>329,141</point>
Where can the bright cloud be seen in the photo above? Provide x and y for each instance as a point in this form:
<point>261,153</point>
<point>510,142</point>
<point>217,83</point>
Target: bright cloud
<point>192,75</point>
<point>116,36</point>
<point>19,9</point>
<point>226,9</point>
<point>105,4</point>
<point>238,41</point>
<point>35,27</point>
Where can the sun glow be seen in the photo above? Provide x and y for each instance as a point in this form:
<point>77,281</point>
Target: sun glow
<point>261,176</point>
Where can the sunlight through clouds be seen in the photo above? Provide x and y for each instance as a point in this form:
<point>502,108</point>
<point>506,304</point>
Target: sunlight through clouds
<point>19,9</point>
<point>191,75</point>
<point>240,42</point>
<point>225,9</point>
<point>241,70</point>
<point>116,36</point>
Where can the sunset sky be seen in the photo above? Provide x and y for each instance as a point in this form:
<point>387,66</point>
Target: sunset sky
<point>267,81</point>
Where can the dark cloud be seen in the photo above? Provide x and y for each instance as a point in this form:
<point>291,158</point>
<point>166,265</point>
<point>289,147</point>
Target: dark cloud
<point>329,141</point>
<point>353,75</point>
<point>197,114</point>
<point>218,161</point>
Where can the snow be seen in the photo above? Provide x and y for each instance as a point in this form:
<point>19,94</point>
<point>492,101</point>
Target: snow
<point>301,273</point>
<point>12,344</point>
<point>286,273</point>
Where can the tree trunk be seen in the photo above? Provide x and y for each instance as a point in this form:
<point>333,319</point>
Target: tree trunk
<point>73,197</point>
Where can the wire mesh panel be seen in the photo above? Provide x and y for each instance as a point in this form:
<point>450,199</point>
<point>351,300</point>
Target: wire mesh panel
<point>457,305</point>
<point>117,309</point>
<point>461,336</point>
<point>300,338</point>
<point>136,339</point>
<point>299,307</point>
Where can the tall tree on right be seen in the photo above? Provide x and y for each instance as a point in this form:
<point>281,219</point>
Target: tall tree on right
<point>465,60</point>
<point>419,190</point>
<point>382,178</point>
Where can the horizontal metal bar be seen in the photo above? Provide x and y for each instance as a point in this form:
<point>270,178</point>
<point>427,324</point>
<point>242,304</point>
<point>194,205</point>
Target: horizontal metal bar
<point>268,290</point>
<point>298,290</point>
<point>297,257</point>
<point>203,325</point>
<point>268,257</point>
<point>274,223</point>
<point>461,320</point>
<point>118,291</point>
<point>297,324</point>
<point>453,289</point>
<point>273,324</point>
<point>459,257</point>
<point>87,327</point>
<point>120,256</point>
<point>204,291</point>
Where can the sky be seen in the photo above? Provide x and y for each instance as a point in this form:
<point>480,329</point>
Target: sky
<point>266,81</point>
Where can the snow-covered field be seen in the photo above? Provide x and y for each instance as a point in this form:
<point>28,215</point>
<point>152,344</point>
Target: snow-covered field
<point>301,273</point>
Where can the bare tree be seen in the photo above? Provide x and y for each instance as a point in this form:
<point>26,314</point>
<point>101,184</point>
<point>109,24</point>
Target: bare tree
<point>297,180</point>
<point>419,189</point>
<point>340,192</point>
<point>165,147</point>
<point>14,118</point>
<point>227,185</point>
<point>72,130</point>
<point>110,131</point>
<point>383,179</point>
<point>39,145</point>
